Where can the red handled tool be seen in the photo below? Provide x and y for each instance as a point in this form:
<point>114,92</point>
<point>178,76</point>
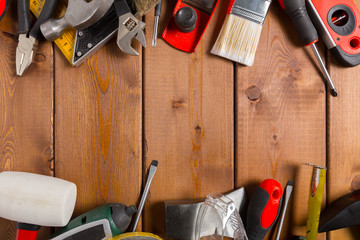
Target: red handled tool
<point>26,231</point>
<point>296,10</point>
<point>264,208</point>
<point>3,7</point>
<point>338,24</point>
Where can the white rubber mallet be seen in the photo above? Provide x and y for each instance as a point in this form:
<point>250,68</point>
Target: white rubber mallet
<point>34,200</point>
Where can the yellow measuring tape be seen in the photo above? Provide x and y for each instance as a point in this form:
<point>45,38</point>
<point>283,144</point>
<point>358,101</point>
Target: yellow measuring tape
<point>315,198</point>
<point>136,236</point>
<point>67,40</point>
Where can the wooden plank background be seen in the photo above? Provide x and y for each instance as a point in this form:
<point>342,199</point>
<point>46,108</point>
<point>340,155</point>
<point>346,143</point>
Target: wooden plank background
<point>213,125</point>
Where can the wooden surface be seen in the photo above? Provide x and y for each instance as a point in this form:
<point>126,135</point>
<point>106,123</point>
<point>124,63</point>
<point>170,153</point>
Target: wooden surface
<point>213,125</point>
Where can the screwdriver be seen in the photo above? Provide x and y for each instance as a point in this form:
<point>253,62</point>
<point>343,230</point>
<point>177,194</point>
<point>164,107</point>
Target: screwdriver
<point>296,10</point>
<point>264,208</point>
<point>156,24</point>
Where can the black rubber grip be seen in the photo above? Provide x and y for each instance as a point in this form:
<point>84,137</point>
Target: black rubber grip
<point>296,10</point>
<point>158,8</point>
<point>185,19</point>
<point>27,226</point>
<point>348,60</point>
<point>46,13</point>
<point>121,7</point>
<point>256,206</point>
<point>254,229</point>
<point>23,10</point>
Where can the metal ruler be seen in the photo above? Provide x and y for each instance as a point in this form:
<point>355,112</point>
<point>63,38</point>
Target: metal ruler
<point>66,42</point>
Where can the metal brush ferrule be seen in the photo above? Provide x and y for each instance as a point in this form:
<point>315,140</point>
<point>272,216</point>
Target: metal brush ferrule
<point>253,10</point>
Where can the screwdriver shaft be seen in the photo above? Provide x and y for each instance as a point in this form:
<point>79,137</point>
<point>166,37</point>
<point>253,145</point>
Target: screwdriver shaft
<point>324,70</point>
<point>156,24</point>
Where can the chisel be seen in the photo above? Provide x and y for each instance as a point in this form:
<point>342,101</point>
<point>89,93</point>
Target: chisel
<point>263,209</point>
<point>296,10</point>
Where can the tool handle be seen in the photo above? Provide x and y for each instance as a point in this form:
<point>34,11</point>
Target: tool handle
<point>158,9</point>
<point>26,231</point>
<point>121,7</point>
<point>263,209</point>
<point>46,13</point>
<point>296,10</point>
<point>3,7</point>
<point>23,10</point>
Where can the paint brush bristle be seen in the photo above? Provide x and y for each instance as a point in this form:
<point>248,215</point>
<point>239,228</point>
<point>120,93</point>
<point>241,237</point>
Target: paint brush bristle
<point>143,6</point>
<point>241,30</point>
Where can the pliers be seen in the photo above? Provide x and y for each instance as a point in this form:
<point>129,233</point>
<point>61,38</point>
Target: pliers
<point>28,39</point>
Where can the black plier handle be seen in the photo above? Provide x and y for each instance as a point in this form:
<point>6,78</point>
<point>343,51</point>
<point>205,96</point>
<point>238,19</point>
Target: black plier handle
<point>23,11</point>
<point>24,16</point>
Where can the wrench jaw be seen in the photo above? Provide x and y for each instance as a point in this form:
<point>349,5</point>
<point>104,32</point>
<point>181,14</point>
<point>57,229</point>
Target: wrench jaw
<point>129,28</point>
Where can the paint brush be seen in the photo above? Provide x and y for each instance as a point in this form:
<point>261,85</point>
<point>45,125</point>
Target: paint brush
<point>241,30</point>
<point>143,6</point>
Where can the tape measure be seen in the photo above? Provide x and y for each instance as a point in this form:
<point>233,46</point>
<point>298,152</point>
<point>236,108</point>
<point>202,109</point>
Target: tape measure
<point>136,236</point>
<point>315,198</point>
<point>66,42</point>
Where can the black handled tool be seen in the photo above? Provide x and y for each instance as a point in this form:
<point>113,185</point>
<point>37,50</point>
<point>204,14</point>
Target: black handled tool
<point>263,209</point>
<point>296,10</point>
<point>28,38</point>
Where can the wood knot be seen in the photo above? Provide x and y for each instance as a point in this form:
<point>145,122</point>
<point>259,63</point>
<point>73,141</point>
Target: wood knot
<point>355,184</point>
<point>177,103</point>
<point>198,130</point>
<point>294,74</point>
<point>253,93</point>
<point>39,57</point>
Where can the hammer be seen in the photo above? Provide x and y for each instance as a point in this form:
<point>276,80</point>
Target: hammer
<point>34,200</point>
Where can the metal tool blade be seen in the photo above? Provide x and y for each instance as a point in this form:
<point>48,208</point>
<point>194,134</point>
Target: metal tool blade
<point>152,172</point>
<point>288,190</point>
<point>181,215</point>
<point>90,39</point>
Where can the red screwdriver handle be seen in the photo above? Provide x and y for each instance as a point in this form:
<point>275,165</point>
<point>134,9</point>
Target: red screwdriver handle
<point>26,231</point>
<point>263,209</point>
<point>296,10</point>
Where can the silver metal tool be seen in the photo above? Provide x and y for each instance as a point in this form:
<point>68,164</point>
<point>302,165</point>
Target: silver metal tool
<point>79,14</point>
<point>28,38</point>
<point>288,190</point>
<point>152,172</point>
<point>324,70</point>
<point>129,27</point>
<point>156,24</point>
<point>181,216</point>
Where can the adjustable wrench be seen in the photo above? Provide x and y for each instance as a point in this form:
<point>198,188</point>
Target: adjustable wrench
<point>129,27</point>
<point>79,14</point>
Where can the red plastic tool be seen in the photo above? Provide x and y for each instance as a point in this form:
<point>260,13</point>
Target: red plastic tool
<point>264,208</point>
<point>338,24</point>
<point>187,41</point>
